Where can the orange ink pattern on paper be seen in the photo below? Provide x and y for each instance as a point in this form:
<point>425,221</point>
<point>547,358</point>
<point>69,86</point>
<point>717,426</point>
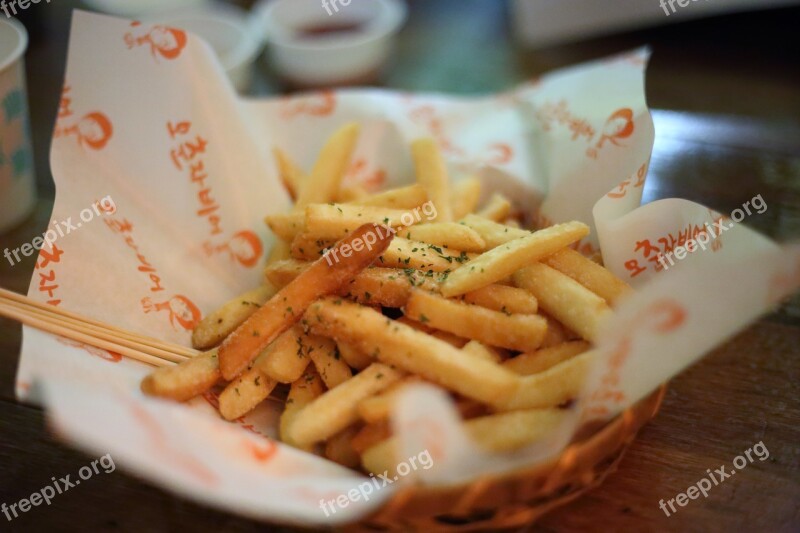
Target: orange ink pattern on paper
<point>360,172</point>
<point>94,130</point>
<point>47,272</point>
<point>244,248</point>
<point>661,317</point>
<point>163,42</point>
<point>106,355</point>
<point>320,104</point>
<point>182,311</point>
<point>175,456</point>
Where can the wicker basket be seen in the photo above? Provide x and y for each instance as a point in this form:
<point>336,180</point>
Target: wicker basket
<point>521,497</point>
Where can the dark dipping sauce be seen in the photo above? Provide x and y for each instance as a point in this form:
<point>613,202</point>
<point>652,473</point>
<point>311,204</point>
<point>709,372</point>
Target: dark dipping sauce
<point>328,30</point>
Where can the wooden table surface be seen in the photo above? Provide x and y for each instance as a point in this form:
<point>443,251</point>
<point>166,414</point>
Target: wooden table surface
<point>726,95</point>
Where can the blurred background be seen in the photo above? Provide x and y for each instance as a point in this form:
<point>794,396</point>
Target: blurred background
<point>724,87</point>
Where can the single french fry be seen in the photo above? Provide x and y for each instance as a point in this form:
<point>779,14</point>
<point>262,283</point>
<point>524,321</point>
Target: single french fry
<point>447,235</point>
<point>243,394</point>
<point>498,208</point>
<point>281,273</point>
<point>401,254</point>
<point>464,196</point>
<point>379,407</point>
<point>339,448</point>
<point>594,277</point>
<point>352,194</point>
<point>502,432</point>
<point>512,223</point>
<point>565,299</point>
<point>286,358</point>
<point>291,175</point>
<point>354,357</point>
<point>480,350</point>
<point>280,251</point>
<point>420,256</point>
<point>184,381</point>
<point>556,332</point>
<point>388,287</point>
<point>288,305</point>
<point>504,260</point>
<point>404,198</point>
<point>508,300</point>
<point>337,408</point>
<point>449,338</point>
<point>517,332</point>
<point>328,361</point>
<point>432,174</point>
<point>370,435</point>
<point>334,221</point>
<point>302,392</point>
<point>493,233</point>
<point>394,343</point>
<point>216,326</point>
<point>286,226</point>
<point>534,362</point>
<point>325,178</point>
<point>552,387</point>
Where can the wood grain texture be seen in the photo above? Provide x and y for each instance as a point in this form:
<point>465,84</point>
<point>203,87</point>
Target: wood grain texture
<point>746,391</point>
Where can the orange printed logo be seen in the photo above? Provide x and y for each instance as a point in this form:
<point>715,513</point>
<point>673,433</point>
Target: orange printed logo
<point>321,104</point>
<point>501,153</point>
<point>180,308</point>
<point>618,126</point>
<point>163,41</point>
<point>106,355</point>
<point>662,316</point>
<point>244,248</point>
<point>360,172</point>
<point>93,130</point>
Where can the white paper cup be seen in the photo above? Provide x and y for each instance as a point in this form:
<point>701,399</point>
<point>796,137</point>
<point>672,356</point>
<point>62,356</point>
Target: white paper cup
<point>338,58</point>
<point>17,182</point>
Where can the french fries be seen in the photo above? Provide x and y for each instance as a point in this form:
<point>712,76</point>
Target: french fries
<point>215,327</point>
<point>336,409</point>
<point>322,184</point>
<point>465,196</point>
<point>589,274</point>
<point>291,175</point>
<point>432,174</point>
<point>508,300</point>
<point>517,332</point>
<point>394,343</point>
<point>530,363</point>
<point>565,299</point>
<point>448,300</point>
<point>186,380</point>
<point>305,390</point>
<point>244,393</point>
<point>504,260</point>
<point>289,304</point>
<point>447,235</point>
<point>404,198</point>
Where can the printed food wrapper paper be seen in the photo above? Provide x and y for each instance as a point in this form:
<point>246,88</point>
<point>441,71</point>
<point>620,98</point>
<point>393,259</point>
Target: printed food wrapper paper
<point>148,118</point>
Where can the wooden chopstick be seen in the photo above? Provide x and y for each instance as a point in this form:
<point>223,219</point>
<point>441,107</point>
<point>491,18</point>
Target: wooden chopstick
<point>93,332</point>
<point>77,318</point>
<point>68,332</point>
